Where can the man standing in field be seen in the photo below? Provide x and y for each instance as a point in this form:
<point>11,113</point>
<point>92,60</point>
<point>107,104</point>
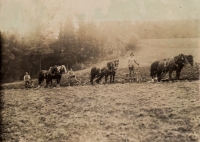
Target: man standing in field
<point>27,79</point>
<point>131,62</point>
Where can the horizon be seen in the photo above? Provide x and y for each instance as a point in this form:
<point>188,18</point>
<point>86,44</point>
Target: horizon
<point>24,16</point>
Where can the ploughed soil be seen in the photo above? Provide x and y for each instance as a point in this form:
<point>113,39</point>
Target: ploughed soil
<point>119,112</point>
<point>129,112</point>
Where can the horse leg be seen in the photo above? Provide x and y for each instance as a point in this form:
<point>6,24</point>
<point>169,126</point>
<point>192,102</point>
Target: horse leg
<point>152,74</point>
<point>154,77</point>
<point>111,78</point>
<point>58,80</point>
<point>178,71</point>
<point>51,82</point>
<point>92,78</point>
<point>170,74</point>
<point>106,78</point>
<point>159,76</point>
<point>47,82</point>
<point>40,79</point>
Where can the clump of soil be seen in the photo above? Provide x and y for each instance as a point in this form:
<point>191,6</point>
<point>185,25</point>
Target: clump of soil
<point>128,112</point>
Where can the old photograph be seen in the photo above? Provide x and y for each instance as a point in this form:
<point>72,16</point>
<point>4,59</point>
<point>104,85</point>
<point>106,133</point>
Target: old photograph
<point>100,70</point>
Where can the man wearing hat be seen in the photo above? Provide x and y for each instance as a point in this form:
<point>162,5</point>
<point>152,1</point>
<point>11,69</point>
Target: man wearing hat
<point>131,62</point>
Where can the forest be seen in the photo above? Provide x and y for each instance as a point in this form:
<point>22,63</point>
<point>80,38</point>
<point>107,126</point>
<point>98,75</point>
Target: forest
<point>82,45</point>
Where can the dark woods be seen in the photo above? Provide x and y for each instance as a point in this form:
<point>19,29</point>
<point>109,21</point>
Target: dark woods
<point>78,46</point>
<point>37,51</point>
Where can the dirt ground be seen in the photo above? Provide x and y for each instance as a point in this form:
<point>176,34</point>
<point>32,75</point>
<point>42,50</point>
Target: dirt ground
<point>129,112</point>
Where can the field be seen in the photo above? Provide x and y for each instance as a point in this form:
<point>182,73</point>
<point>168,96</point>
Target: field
<point>129,112</point>
<point>120,112</point>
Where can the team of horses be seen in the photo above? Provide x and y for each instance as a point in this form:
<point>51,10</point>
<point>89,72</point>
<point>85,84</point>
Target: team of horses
<point>109,70</point>
<point>54,72</point>
<point>158,70</point>
<point>161,68</point>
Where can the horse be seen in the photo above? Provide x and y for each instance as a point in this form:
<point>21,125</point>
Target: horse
<point>189,59</point>
<point>47,74</point>
<point>99,73</point>
<point>54,72</point>
<point>160,68</point>
<point>58,75</point>
<point>112,66</point>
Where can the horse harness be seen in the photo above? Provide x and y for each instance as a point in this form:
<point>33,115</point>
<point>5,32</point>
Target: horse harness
<point>110,67</point>
<point>169,62</point>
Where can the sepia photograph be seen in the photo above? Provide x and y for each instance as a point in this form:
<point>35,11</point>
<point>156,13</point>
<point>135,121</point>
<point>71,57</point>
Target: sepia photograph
<point>100,70</point>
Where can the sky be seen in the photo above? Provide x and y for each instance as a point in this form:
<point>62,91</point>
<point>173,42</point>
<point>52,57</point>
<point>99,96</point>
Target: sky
<point>24,15</point>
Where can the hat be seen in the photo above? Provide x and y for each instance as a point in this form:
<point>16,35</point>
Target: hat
<point>131,54</point>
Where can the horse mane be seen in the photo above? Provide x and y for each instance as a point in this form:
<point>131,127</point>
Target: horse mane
<point>63,66</point>
<point>112,64</point>
<point>50,69</point>
<point>189,59</point>
<point>189,56</point>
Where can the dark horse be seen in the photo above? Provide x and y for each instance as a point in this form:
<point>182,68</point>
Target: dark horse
<point>49,75</point>
<point>189,59</point>
<point>160,68</point>
<point>109,70</point>
<point>61,69</point>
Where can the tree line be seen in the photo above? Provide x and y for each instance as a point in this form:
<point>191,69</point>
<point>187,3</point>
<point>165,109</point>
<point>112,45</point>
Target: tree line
<point>89,43</point>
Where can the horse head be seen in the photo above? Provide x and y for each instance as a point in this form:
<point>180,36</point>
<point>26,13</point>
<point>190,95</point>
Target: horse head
<point>63,69</point>
<point>180,59</point>
<point>190,59</point>
<point>54,70</point>
<point>113,65</point>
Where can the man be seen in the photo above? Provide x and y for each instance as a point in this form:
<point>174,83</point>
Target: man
<point>71,74</point>
<point>27,79</point>
<point>131,62</point>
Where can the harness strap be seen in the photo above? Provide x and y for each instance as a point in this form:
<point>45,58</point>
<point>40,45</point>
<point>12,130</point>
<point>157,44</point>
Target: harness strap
<point>186,60</point>
<point>164,71</point>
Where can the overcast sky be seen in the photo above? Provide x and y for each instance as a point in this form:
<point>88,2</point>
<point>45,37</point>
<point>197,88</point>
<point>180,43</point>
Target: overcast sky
<point>23,15</point>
